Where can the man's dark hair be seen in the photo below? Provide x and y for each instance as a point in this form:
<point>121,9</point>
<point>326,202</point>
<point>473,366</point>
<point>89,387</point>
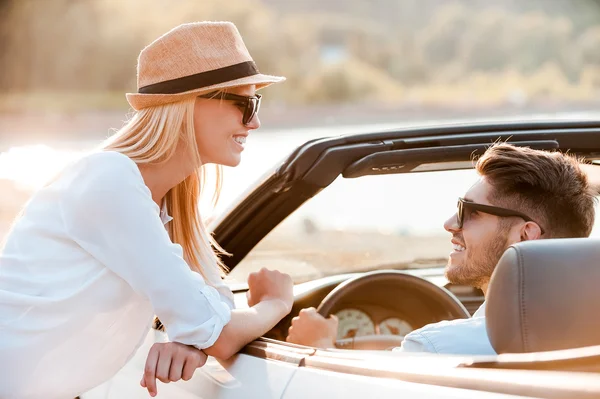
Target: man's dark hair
<point>550,187</point>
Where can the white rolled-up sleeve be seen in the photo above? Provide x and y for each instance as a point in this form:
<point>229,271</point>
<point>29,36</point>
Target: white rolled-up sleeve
<point>223,289</point>
<point>110,214</point>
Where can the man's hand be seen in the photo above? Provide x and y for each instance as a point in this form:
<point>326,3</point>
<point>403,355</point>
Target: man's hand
<point>170,361</point>
<point>267,285</point>
<point>311,329</point>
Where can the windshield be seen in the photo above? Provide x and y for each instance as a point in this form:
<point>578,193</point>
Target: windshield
<point>368,223</point>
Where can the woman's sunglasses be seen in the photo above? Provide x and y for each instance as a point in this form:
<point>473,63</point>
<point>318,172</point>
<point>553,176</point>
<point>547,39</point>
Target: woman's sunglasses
<point>464,205</point>
<point>249,104</point>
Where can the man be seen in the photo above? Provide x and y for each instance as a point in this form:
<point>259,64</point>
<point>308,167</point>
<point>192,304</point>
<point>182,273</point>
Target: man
<point>522,194</point>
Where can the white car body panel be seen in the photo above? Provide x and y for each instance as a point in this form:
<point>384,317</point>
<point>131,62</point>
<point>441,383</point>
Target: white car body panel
<point>246,376</point>
<point>322,384</point>
<point>242,376</point>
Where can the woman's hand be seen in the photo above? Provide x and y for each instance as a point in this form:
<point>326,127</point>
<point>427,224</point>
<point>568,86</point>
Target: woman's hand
<point>270,297</point>
<point>170,361</point>
<point>267,285</point>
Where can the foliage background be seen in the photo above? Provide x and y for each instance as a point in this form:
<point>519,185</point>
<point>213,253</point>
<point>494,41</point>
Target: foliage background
<point>69,55</point>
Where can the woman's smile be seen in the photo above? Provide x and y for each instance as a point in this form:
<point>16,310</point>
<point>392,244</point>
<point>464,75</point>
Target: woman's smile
<point>240,141</point>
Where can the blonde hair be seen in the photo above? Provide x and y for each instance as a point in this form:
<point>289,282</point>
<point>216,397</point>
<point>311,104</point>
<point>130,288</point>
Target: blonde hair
<point>151,135</point>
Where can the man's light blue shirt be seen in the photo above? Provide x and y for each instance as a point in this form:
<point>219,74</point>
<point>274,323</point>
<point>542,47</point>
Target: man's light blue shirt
<point>454,337</point>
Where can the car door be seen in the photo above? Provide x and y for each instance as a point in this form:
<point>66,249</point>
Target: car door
<point>242,376</point>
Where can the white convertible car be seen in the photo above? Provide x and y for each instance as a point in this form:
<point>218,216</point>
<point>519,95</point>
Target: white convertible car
<point>356,221</point>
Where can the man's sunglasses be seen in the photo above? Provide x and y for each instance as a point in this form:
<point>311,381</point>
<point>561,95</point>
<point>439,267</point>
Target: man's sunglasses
<point>249,104</point>
<point>463,205</point>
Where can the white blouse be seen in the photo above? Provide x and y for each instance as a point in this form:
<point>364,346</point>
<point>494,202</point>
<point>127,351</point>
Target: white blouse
<point>82,274</point>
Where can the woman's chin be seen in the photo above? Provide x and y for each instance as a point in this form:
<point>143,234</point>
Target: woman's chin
<point>231,161</point>
<point>235,161</point>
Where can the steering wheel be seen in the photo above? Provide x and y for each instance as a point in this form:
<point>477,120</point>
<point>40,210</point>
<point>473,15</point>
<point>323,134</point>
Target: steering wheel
<point>389,279</point>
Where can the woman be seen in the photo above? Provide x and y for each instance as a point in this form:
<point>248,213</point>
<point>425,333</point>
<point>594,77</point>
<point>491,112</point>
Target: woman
<point>117,237</point>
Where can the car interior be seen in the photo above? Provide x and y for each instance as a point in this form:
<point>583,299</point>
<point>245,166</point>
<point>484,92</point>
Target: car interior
<point>389,298</point>
<point>547,324</point>
<point>531,327</point>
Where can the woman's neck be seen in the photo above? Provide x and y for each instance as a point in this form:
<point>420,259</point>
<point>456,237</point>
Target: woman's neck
<point>162,177</point>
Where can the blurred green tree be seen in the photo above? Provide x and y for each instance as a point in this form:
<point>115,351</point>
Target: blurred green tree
<point>388,46</point>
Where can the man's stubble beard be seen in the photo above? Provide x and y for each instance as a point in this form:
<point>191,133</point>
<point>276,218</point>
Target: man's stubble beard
<point>479,266</point>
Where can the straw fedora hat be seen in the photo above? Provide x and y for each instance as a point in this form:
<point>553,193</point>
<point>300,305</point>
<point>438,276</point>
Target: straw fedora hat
<point>194,59</point>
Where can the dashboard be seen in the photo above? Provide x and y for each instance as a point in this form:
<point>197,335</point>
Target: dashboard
<point>385,310</point>
<point>354,322</point>
<point>389,317</point>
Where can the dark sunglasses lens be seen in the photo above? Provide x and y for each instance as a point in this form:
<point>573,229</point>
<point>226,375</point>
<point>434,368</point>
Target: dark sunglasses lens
<point>459,213</point>
<point>251,110</point>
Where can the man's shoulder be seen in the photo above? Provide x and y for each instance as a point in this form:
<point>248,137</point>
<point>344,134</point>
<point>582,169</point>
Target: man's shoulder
<point>461,336</point>
<point>451,327</point>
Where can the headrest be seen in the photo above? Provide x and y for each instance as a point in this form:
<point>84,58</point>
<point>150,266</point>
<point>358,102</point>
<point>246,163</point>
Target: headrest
<point>545,295</point>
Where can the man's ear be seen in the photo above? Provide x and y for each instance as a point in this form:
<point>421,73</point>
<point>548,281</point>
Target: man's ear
<point>531,231</point>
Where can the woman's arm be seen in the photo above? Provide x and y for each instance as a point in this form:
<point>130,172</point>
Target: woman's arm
<point>245,326</point>
<point>270,295</point>
<point>109,212</point>
<point>272,290</point>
